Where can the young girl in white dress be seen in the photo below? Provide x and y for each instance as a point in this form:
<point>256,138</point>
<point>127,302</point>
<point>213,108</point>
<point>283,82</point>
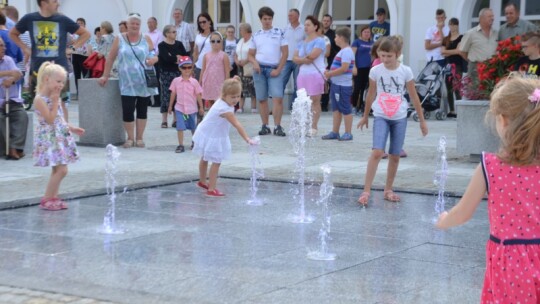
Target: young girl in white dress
<point>211,138</point>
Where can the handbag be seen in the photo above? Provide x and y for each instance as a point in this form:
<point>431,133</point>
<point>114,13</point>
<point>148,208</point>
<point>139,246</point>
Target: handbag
<point>149,74</point>
<point>326,82</point>
<point>95,65</point>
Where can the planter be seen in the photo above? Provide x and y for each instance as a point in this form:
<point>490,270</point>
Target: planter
<point>474,135</point>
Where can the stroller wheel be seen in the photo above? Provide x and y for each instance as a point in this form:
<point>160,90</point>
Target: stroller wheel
<point>427,114</point>
<point>440,115</point>
<point>415,116</point>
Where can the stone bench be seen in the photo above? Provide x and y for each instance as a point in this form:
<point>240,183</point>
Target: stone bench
<point>100,113</point>
<point>29,144</point>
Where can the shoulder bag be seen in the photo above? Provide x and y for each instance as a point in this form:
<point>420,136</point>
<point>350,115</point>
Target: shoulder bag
<point>326,83</point>
<point>149,74</point>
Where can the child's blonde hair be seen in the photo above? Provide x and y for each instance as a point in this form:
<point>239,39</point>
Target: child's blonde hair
<point>231,86</point>
<point>391,44</point>
<point>520,145</point>
<point>47,69</point>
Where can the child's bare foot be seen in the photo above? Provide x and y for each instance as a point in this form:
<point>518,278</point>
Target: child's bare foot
<point>364,198</point>
<point>391,196</point>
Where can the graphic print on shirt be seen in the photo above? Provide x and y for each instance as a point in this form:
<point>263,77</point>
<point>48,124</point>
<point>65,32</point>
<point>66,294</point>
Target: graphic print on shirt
<point>391,98</point>
<point>529,69</point>
<point>46,38</point>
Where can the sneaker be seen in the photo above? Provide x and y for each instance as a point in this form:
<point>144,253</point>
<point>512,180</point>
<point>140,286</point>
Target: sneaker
<point>265,130</point>
<point>253,111</point>
<point>346,136</point>
<point>202,186</point>
<point>331,135</point>
<point>214,193</point>
<point>451,115</point>
<point>179,149</point>
<point>173,125</point>
<point>278,131</point>
<point>239,111</point>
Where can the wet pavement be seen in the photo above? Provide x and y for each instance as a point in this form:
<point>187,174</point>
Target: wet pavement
<point>182,247</point>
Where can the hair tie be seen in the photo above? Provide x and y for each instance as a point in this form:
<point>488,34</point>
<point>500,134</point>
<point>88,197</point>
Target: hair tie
<point>535,97</point>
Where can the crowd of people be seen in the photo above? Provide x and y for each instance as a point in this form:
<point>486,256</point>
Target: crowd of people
<point>212,72</point>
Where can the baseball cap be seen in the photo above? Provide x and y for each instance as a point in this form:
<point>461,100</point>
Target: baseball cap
<point>184,60</point>
<point>381,11</point>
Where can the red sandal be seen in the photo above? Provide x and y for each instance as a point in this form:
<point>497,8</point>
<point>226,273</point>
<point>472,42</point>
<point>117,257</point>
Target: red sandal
<point>364,198</point>
<point>50,204</point>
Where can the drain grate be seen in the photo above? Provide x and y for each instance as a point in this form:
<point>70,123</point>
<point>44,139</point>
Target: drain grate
<point>163,148</point>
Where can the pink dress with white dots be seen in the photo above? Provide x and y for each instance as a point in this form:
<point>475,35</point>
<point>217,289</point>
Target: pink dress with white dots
<point>512,268</point>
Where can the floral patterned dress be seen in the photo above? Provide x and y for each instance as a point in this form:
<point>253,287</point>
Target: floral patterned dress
<point>53,143</point>
<point>214,75</point>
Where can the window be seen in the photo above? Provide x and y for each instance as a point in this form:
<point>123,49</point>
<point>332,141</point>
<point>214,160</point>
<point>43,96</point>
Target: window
<point>351,13</point>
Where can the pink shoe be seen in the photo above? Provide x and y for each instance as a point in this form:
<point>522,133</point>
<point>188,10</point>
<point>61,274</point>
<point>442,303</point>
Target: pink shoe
<point>63,204</point>
<point>214,193</point>
<point>201,185</point>
<point>50,204</point>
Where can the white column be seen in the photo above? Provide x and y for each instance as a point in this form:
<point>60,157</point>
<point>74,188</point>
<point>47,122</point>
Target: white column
<point>417,31</point>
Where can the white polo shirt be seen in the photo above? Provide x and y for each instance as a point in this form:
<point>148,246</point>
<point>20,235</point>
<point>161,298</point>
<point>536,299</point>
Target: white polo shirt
<point>268,46</point>
<point>294,36</point>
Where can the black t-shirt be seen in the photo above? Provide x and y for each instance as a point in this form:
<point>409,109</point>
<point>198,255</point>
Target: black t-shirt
<point>48,36</point>
<point>167,55</point>
<point>334,49</point>
<point>454,59</point>
<point>527,66</point>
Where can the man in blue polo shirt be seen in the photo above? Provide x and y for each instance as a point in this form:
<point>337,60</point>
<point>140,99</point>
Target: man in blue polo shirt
<point>268,53</point>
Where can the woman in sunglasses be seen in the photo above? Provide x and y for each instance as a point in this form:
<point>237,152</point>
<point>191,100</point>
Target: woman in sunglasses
<point>169,52</point>
<point>205,25</point>
<point>216,68</point>
<point>135,52</point>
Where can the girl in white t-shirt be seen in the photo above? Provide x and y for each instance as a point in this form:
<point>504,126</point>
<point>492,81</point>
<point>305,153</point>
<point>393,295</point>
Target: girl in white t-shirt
<point>388,82</point>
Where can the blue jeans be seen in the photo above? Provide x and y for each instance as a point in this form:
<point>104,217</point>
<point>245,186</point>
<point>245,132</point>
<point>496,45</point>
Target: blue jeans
<point>395,128</point>
<point>266,85</point>
<point>290,67</point>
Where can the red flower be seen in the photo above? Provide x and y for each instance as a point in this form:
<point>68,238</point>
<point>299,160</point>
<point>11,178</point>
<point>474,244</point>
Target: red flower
<point>491,70</point>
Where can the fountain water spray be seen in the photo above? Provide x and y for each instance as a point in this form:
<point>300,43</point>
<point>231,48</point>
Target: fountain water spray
<point>325,194</point>
<point>256,172</point>
<point>301,119</point>
<point>109,221</point>
<point>441,174</point>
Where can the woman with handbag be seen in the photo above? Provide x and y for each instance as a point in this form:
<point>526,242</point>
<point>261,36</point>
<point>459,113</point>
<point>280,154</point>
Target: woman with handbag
<point>310,57</point>
<point>205,25</point>
<point>245,68</point>
<point>137,77</point>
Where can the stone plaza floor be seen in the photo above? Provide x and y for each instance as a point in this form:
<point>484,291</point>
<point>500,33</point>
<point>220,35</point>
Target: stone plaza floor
<point>182,247</point>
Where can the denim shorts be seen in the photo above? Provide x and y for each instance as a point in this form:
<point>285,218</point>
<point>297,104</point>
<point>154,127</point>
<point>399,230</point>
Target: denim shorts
<point>185,121</point>
<point>395,128</point>
<point>340,96</point>
<point>265,85</point>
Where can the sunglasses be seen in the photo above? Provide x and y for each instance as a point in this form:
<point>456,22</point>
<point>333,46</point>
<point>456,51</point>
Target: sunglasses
<point>202,22</point>
<point>173,32</point>
<point>134,14</point>
<point>186,67</point>
<point>215,41</point>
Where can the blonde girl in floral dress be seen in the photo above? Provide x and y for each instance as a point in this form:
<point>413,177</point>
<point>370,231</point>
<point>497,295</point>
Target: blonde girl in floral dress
<point>54,146</point>
<point>215,70</point>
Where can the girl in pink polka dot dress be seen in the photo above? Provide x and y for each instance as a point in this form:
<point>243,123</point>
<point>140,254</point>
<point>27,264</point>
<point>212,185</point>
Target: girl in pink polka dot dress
<point>512,181</point>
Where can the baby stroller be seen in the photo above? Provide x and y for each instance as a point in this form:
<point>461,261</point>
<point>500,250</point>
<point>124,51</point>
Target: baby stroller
<point>431,89</point>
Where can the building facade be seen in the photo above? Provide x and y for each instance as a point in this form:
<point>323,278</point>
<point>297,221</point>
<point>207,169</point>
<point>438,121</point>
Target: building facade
<point>409,18</point>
